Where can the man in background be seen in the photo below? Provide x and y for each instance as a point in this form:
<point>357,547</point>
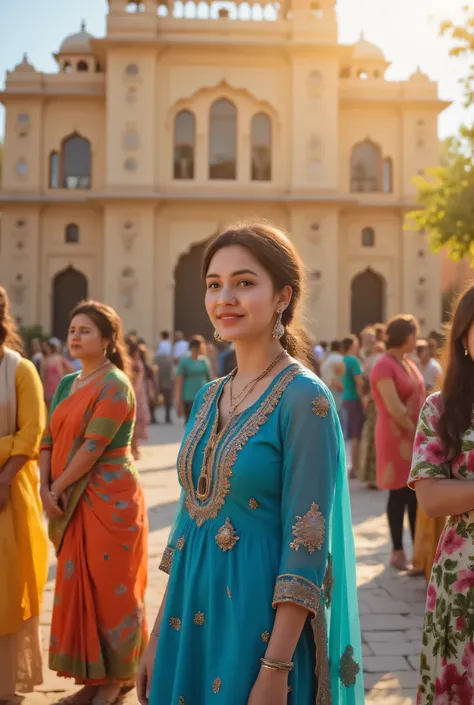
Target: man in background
<point>429,366</point>
<point>332,372</point>
<point>352,396</point>
<point>181,347</point>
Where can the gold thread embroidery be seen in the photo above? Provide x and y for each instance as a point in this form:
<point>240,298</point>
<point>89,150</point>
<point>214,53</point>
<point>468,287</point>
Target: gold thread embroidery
<point>225,454</point>
<point>289,688</point>
<point>293,588</point>
<point>321,406</point>
<point>180,543</point>
<point>226,537</point>
<point>181,700</point>
<point>166,560</point>
<point>322,665</point>
<point>175,623</point>
<point>216,686</point>
<point>253,504</point>
<point>309,530</point>
<point>266,637</point>
<point>199,618</point>
<point>348,667</point>
<point>328,582</point>
<point>228,592</point>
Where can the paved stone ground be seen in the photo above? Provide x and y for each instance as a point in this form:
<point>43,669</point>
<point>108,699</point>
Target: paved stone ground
<point>391,605</point>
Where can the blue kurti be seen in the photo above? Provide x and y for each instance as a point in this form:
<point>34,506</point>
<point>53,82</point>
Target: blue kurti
<point>275,528</point>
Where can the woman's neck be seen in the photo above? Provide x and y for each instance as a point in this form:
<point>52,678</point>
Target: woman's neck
<point>91,364</point>
<point>398,353</point>
<point>254,357</point>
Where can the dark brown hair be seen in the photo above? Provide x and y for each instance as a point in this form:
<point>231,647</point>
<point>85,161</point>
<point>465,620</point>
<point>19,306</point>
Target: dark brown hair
<point>399,328</point>
<point>348,342</point>
<point>8,329</point>
<point>457,386</point>
<point>277,254</point>
<point>109,324</point>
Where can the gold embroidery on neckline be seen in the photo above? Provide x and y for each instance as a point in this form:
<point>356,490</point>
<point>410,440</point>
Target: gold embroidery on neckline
<point>224,454</point>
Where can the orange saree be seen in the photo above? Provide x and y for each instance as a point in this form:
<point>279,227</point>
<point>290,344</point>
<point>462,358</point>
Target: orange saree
<point>98,628</point>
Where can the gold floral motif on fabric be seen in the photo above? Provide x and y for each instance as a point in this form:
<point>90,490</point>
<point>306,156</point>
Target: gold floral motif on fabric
<point>253,504</point>
<point>266,637</point>
<point>348,667</point>
<point>175,623</point>
<point>294,588</point>
<point>228,592</point>
<point>328,582</point>
<point>226,537</point>
<point>321,406</point>
<point>309,530</point>
<point>167,560</point>
<point>224,452</point>
<point>180,543</point>
<point>216,686</point>
<point>322,663</point>
<point>199,619</point>
<point>181,700</point>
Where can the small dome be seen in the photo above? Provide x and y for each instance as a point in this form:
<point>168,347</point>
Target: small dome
<point>25,66</point>
<point>79,43</point>
<point>419,77</point>
<point>366,50</point>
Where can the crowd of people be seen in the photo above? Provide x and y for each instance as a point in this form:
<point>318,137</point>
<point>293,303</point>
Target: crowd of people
<point>261,602</point>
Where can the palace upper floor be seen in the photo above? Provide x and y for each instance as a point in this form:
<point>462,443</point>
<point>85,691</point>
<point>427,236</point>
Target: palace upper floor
<point>129,115</point>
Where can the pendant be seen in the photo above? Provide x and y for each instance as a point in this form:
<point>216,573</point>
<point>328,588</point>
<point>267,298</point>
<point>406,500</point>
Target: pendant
<point>202,487</point>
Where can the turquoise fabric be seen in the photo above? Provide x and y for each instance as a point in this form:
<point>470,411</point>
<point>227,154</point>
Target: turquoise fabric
<point>195,374</point>
<point>352,369</point>
<point>270,465</point>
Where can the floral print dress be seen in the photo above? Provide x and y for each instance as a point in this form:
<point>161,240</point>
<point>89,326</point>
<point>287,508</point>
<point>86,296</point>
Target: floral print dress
<point>447,656</point>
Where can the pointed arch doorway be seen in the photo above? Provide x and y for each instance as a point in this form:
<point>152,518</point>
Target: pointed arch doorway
<point>190,315</point>
<point>69,287</point>
<point>367,300</point>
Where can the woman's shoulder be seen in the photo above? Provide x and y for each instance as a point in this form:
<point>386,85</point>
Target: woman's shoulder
<point>25,371</point>
<point>433,404</point>
<point>303,384</point>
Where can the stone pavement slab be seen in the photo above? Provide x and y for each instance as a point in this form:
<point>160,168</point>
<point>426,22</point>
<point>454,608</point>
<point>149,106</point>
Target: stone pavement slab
<point>392,604</point>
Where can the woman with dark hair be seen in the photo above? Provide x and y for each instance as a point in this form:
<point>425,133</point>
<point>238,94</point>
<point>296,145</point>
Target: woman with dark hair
<point>442,467</point>
<point>192,374</point>
<point>23,544</point>
<point>261,604</point>
<point>398,392</point>
<point>97,519</point>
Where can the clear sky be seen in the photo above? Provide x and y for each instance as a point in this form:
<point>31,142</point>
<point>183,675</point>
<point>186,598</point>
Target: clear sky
<point>406,30</point>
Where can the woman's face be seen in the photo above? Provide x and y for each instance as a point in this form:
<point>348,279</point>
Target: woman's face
<point>240,299</point>
<point>84,338</point>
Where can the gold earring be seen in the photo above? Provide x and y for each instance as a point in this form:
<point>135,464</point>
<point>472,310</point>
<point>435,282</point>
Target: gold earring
<point>466,352</point>
<point>218,337</point>
<point>279,328</point>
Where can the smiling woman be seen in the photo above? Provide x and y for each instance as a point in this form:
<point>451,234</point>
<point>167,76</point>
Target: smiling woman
<point>261,603</point>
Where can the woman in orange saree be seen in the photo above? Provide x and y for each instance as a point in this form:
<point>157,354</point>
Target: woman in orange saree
<point>92,496</point>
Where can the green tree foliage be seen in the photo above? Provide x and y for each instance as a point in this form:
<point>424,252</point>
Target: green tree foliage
<point>446,194</point>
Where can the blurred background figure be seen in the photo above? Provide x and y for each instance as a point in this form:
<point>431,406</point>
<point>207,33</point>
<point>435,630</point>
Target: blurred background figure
<point>180,347</point>
<point>165,364</point>
<point>352,397</point>
<point>367,340</point>
<point>23,544</point>
<point>367,464</point>
<point>55,367</point>
<point>37,356</point>
<point>143,410</point>
<point>332,372</point>
<point>399,394</point>
<point>192,374</point>
<point>151,381</point>
<point>429,366</point>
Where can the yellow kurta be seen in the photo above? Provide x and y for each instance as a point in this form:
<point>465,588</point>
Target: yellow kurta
<point>23,543</point>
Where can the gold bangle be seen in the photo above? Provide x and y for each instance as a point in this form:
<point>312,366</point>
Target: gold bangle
<point>277,665</point>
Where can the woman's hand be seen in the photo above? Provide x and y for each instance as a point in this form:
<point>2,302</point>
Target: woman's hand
<point>4,495</point>
<point>145,671</point>
<point>62,498</point>
<point>50,505</point>
<point>270,688</point>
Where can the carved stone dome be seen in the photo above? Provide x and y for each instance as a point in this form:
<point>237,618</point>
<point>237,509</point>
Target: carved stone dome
<point>79,43</point>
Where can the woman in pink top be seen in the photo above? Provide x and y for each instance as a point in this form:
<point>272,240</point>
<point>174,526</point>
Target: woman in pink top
<point>398,391</point>
<point>55,366</point>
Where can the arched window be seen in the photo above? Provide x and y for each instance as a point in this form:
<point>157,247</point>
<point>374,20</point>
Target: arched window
<point>76,163</point>
<point>368,237</point>
<point>82,66</point>
<point>261,148</point>
<point>132,70</point>
<point>365,168</point>
<point>184,145</point>
<point>71,234</point>
<point>223,140</point>
<point>54,170</point>
<point>387,176</point>
<point>67,68</point>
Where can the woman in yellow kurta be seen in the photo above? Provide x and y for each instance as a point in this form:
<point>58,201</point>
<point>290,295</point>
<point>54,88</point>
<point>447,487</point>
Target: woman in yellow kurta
<point>23,544</point>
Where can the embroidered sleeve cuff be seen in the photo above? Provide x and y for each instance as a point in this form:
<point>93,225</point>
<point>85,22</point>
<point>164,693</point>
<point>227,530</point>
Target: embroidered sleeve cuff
<point>294,588</point>
<point>167,560</point>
